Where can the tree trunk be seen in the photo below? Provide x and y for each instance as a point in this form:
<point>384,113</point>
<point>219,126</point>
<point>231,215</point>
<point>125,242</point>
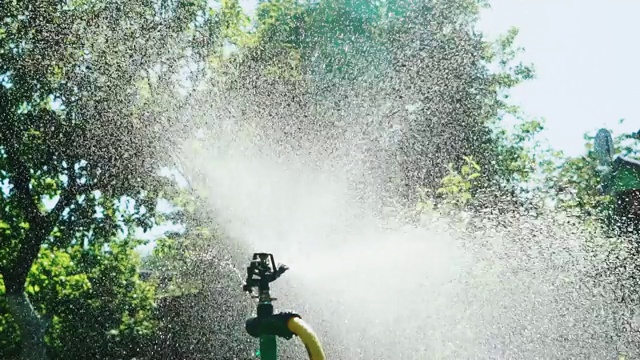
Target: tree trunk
<point>32,328</point>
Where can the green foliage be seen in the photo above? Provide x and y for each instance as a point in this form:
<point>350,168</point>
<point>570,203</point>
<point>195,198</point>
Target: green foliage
<point>579,185</point>
<point>93,302</point>
<point>514,156</point>
<point>578,182</point>
<point>9,342</point>
<point>455,191</point>
<point>180,253</point>
<point>456,187</point>
<point>116,303</point>
<point>503,54</point>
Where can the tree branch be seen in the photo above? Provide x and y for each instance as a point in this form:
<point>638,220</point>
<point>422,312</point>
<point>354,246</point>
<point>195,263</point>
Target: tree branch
<point>20,178</point>
<point>66,198</point>
<point>40,225</point>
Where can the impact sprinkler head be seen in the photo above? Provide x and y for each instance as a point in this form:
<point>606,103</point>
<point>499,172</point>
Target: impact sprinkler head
<point>261,272</point>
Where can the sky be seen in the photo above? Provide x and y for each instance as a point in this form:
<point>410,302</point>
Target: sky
<point>585,60</point>
<point>585,63</point>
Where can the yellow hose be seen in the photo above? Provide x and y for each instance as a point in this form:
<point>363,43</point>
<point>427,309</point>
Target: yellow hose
<point>308,337</point>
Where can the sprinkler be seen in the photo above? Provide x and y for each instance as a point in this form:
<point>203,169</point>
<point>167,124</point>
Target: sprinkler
<point>267,325</point>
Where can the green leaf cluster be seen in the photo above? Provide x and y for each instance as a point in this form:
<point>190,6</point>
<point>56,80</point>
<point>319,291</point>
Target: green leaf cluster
<point>93,302</point>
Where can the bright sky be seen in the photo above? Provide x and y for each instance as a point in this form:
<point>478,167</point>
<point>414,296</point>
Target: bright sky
<point>586,63</point>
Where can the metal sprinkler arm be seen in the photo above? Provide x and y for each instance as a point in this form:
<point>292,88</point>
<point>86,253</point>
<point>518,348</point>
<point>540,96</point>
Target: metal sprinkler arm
<point>261,272</point>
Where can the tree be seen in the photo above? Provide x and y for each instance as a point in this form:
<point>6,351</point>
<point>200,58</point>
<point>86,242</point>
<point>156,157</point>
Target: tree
<point>83,86</point>
<point>412,86</point>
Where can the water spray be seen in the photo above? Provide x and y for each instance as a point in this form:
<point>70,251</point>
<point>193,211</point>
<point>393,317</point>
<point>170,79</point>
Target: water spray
<point>267,326</point>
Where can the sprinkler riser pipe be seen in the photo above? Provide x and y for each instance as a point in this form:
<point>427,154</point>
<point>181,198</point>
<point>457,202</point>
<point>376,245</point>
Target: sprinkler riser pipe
<point>268,347</point>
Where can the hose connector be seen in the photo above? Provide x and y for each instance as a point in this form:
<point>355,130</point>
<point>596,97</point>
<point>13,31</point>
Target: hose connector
<point>275,325</point>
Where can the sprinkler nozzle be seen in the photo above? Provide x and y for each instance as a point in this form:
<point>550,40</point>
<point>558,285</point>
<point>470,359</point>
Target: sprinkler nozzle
<point>261,272</point>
